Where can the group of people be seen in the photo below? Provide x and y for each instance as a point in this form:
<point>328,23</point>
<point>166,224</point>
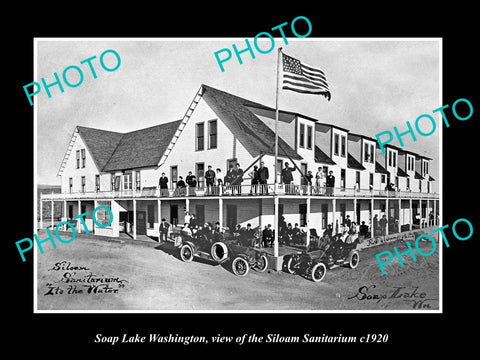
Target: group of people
<point>233,180</point>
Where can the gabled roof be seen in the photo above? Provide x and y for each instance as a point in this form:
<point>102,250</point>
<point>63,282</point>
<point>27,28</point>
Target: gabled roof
<point>250,131</point>
<point>321,157</point>
<point>142,148</point>
<point>380,169</point>
<point>100,143</point>
<point>353,163</point>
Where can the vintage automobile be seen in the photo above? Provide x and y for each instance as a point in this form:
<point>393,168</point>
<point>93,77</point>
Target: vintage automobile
<point>220,250</point>
<point>330,254</point>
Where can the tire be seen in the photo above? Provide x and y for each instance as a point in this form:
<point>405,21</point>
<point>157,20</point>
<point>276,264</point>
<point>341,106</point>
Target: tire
<point>353,259</point>
<point>186,253</point>
<point>318,272</point>
<point>219,251</point>
<point>262,263</point>
<point>240,266</point>
<point>290,264</point>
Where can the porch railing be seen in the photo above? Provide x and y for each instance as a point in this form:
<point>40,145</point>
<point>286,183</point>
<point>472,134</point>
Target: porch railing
<point>240,190</point>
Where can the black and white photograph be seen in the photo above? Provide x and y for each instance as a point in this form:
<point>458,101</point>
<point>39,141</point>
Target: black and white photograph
<point>272,197</point>
<point>208,181</point>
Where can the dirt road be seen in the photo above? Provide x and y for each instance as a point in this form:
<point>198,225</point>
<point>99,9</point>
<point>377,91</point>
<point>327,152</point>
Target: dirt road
<point>100,274</point>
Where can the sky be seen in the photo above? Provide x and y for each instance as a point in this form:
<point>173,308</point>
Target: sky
<point>375,84</point>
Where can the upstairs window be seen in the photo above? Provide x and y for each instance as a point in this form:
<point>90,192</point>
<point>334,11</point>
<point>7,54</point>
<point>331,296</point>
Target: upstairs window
<point>137,180</point>
<point>199,134</point>
<point>309,137</point>
<point>344,146</point>
<point>336,144</point>
<point>83,158</point>
<point>212,134</point>
<point>372,153</point>
<point>78,159</point>
<point>82,189</point>
<point>302,136</point>
<point>127,181</point>
<point>70,184</point>
<point>97,182</point>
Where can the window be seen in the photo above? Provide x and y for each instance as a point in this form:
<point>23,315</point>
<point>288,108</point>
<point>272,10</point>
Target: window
<point>150,215</point>
<point>335,144</point>
<point>78,159</point>
<point>279,170</point>
<point>112,182</point>
<point>309,137</point>
<point>394,159</point>
<point>127,181</point>
<point>408,183</point>
<point>342,178</point>
<point>371,180</point>
<point>302,136</point>
<point>366,157</point>
<point>82,189</point>
<point>83,158</point>
<point>70,184</point>
<point>344,145</point>
<point>304,168</point>
<point>200,213</point>
<point>302,211</point>
<point>174,176</point>
<point>383,179</point>
<point>199,135</point>
<point>372,153</point>
<point>389,158</point>
<point>97,182</point>
<point>212,134</point>
<point>200,174</point>
<point>396,182</point>
<point>103,215</point>
<point>357,179</point>
<point>138,180</point>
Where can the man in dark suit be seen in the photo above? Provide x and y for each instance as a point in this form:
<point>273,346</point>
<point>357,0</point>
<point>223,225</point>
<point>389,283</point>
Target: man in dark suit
<point>189,178</point>
<point>287,177</point>
<point>163,229</point>
<point>330,183</point>
<point>237,179</point>
<point>163,183</point>
<point>263,177</point>
<point>210,179</point>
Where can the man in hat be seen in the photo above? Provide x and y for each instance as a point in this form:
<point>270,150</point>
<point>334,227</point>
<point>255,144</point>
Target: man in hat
<point>163,229</point>
<point>330,183</point>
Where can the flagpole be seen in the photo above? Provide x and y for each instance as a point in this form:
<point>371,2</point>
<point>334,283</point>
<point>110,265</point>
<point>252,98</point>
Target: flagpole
<point>275,220</point>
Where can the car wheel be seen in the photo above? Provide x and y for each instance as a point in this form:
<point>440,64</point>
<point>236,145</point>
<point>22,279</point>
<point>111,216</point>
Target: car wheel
<point>186,253</point>
<point>219,251</point>
<point>318,272</point>
<point>290,265</point>
<point>240,266</point>
<point>262,263</point>
<point>353,259</point>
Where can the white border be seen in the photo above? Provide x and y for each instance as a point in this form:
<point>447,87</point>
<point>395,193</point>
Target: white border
<point>439,210</point>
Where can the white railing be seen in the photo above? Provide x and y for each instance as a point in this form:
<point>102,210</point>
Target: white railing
<point>240,190</point>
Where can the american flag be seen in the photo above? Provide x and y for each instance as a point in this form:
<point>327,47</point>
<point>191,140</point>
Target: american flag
<point>303,78</point>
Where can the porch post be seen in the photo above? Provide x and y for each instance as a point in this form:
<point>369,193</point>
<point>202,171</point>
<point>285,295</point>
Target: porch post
<point>220,211</point>
<point>79,211</point>
<point>420,209</point>
<point>427,213</point>
<point>372,229</point>
<point>334,210</point>
<point>51,211</point>
<point>64,214</point>
<point>411,215</point>
<point>41,214</point>
<point>354,217</point>
<point>159,212</point>
<point>187,205</point>
<point>275,226</point>
<point>435,212</point>
<point>387,214</point>
<point>399,212</point>
<point>134,219</point>
<point>307,221</point>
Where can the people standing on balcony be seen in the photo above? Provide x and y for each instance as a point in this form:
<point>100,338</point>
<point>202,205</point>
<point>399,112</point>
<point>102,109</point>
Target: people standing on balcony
<point>330,183</point>
<point>263,178</point>
<point>309,177</point>
<point>229,176</point>
<point>320,180</point>
<point>189,179</point>
<point>219,180</point>
<point>254,177</point>
<point>237,179</point>
<point>163,184</point>
<point>181,186</point>
<point>210,179</point>
<point>287,177</point>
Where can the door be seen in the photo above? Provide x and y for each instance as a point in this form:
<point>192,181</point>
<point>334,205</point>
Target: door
<point>342,178</point>
<point>174,214</point>
<point>141,223</point>
<point>304,168</point>
<point>200,213</point>
<point>231,217</point>
<point>200,174</point>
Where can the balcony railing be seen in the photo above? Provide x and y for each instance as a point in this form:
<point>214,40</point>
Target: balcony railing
<point>240,190</point>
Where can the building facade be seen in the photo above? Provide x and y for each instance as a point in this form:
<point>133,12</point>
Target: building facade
<point>122,171</point>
